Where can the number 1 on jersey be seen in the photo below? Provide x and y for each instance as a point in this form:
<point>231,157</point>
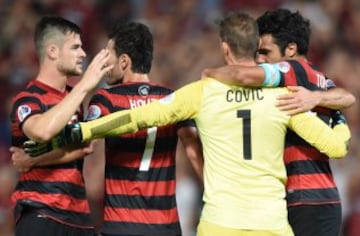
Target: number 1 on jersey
<point>246,116</point>
<point>149,149</point>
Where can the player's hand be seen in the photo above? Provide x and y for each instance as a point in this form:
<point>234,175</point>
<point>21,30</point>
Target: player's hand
<point>299,100</point>
<point>97,69</point>
<point>337,118</point>
<point>20,160</point>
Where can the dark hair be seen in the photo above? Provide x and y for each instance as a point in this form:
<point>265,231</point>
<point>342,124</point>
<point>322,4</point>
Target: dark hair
<point>135,40</point>
<point>48,27</point>
<point>240,31</point>
<point>286,27</point>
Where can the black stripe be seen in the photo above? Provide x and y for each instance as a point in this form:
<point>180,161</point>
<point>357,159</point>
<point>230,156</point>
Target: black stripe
<point>126,228</point>
<point>141,202</point>
<point>101,99</point>
<point>282,80</point>
<point>78,164</point>
<point>316,68</point>
<point>153,174</point>
<point>37,90</point>
<point>162,144</point>
<point>132,89</point>
<point>293,139</point>
<point>313,195</point>
<point>52,188</point>
<point>308,167</point>
<point>301,76</point>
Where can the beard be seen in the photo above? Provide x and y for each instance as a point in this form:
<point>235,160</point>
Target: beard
<point>69,71</point>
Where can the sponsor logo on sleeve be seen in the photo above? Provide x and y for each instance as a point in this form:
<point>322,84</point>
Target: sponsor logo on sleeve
<point>283,66</point>
<point>94,112</point>
<point>23,111</point>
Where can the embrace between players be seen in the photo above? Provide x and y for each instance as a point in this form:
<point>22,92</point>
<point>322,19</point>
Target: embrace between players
<point>264,162</point>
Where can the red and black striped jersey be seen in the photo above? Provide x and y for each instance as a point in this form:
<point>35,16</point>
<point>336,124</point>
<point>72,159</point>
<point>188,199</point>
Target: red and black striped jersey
<point>140,167</point>
<point>310,180</point>
<point>57,191</point>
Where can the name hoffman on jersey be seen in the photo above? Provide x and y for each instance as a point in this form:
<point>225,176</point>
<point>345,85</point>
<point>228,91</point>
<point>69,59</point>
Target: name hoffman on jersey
<point>244,95</point>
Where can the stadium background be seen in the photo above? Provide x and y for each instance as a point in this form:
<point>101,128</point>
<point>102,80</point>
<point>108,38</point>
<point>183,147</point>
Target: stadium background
<point>186,41</point>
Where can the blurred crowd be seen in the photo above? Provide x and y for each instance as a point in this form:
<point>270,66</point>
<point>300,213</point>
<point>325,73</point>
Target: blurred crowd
<point>186,41</point>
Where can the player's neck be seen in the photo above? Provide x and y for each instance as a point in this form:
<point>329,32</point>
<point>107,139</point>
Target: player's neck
<point>297,57</point>
<point>136,77</point>
<point>243,62</point>
<point>50,76</point>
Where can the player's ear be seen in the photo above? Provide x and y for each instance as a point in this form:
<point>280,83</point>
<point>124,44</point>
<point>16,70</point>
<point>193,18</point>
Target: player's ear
<point>52,51</point>
<point>291,50</point>
<point>124,61</point>
<point>225,48</point>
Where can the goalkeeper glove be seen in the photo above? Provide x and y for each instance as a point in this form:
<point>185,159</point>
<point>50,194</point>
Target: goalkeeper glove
<point>33,148</point>
<point>70,135</point>
<point>337,118</point>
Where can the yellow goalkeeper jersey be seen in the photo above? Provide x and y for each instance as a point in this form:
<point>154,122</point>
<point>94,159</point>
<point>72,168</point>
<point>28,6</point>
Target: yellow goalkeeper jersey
<point>243,135</point>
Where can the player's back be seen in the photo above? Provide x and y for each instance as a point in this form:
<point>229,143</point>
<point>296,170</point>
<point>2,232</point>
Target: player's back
<point>243,138</point>
<point>140,167</point>
<point>310,179</point>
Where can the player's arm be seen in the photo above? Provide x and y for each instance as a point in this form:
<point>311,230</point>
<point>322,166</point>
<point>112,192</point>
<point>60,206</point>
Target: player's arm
<point>42,127</point>
<point>181,105</point>
<point>269,75</point>
<point>301,99</point>
<point>265,75</point>
<point>190,140</point>
<point>332,142</point>
<point>23,161</point>
<point>336,98</point>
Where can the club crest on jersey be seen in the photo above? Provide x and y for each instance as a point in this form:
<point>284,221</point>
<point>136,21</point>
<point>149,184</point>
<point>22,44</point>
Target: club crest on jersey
<point>23,111</point>
<point>94,112</point>
<point>168,99</point>
<point>283,66</point>
<point>144,90</point>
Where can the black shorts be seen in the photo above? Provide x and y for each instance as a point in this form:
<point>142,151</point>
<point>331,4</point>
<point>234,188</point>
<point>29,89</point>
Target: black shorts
<point>315,220</point>
<point>33,224</point>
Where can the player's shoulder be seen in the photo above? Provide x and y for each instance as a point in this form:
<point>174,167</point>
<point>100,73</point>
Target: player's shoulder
<point>29,92</point>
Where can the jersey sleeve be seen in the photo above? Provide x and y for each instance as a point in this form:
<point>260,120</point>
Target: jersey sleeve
<point>99,106</point>
<point>178,106</point>
<point>25,106</point>
<point>332,142</point>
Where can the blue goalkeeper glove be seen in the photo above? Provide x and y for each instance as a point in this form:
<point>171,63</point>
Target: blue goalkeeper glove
<point>70,135</point>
